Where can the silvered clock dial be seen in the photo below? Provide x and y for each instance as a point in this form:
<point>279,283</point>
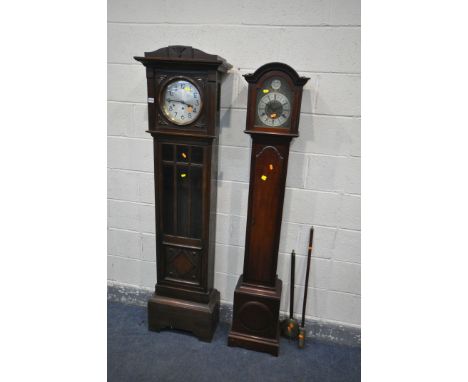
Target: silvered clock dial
<point>274,104</point>
<point>181,102</point>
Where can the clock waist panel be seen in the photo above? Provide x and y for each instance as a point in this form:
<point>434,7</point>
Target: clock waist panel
<point>264,215</point>
<point>181,265</point>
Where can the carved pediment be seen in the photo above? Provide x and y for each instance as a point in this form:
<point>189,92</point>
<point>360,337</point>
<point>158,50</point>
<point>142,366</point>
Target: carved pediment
<point>178,53</point>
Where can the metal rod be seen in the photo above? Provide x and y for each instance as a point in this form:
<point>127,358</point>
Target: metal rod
<point>309,255</point>
<point>293,268</point>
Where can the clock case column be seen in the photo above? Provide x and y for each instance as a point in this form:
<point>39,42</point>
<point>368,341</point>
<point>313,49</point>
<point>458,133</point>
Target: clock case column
<point>257,296</point>
<point>184,296</point>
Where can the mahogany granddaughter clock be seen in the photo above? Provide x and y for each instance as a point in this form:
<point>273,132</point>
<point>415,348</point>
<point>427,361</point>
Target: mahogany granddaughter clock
<point>273,109</point>
<point>184,86</point>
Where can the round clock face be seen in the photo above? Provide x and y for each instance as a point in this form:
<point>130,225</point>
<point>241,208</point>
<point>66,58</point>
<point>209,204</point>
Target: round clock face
<point>274,108</point>
<point>181,102</point>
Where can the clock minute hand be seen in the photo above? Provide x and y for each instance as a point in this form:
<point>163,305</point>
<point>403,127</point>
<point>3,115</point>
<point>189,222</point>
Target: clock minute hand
<point>176,100</point>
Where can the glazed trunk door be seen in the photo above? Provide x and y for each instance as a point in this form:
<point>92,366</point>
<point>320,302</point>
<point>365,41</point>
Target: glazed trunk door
<point>181,210</point>
<point>182,182</point>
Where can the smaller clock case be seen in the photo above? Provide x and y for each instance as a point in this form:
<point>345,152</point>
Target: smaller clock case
<point>257,296</point>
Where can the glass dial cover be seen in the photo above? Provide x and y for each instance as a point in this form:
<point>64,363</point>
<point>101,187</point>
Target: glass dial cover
<point>274,109</point>
<point>181,102</point>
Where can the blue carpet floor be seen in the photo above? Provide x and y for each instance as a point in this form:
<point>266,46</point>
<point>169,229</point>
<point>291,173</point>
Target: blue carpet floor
<point>137,355</point>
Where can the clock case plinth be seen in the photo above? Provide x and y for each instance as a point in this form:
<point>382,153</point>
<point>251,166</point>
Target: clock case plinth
<point>184,296</point>
<point>257,296</point>
<point>256,309</point>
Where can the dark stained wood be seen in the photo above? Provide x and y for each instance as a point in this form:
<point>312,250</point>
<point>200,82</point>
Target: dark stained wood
<point>184,296</point>
<point>199,318</point>
<point>265,208</point>
<point>257,296</point>
<point>255,323</point>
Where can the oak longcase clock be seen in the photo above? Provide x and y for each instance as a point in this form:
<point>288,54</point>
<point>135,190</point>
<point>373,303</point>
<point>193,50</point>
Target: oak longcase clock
<point>273,109</point>
<point>184,86</point>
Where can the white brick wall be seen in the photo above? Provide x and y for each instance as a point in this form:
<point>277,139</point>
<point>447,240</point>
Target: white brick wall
<point>321,40</point>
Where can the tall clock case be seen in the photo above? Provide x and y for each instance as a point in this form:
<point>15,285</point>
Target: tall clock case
<point>185,170</point>
<point>185,164</point>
